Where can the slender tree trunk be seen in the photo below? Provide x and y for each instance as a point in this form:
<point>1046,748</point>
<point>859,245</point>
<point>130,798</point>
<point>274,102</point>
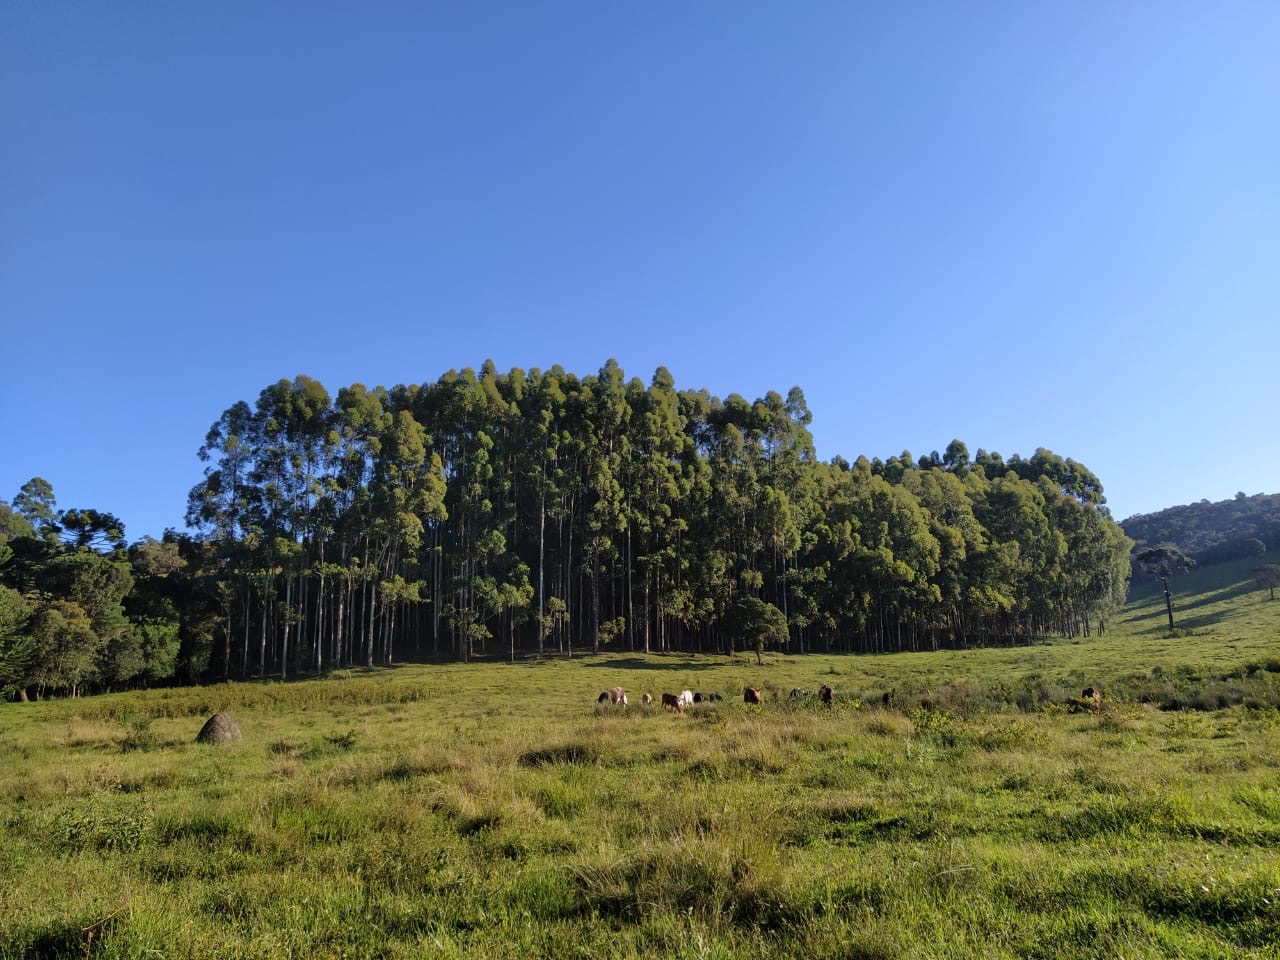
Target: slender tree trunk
<point>391,631</point>
<point>595,600</point>
<point>244,652</point>
<point>288,618</point>
<point>319,637</point>
<point>542,527</point>
<point>344,590</point>
<point>262,651</point>
<point>371,595</point>
<point>647,611</point>
<point>226,646</point>
<point>631,630</point>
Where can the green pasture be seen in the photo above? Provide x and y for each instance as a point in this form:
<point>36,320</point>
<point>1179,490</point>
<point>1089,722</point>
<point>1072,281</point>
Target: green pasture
<point>495,810</point>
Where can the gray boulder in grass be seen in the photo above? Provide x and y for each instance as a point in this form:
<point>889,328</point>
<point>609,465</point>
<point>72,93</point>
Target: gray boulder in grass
<point>219,728</point>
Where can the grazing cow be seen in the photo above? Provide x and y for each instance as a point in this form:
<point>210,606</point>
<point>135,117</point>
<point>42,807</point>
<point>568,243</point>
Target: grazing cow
<point>672,701</point>
<point>698,698</point>
<point>826,694</point>
<point>1094,697</point>
<point>714,697</point>
<point>751,695</point>
<point>797,693</point>
<point>647,699</point>
<point>686,699</point>
<point>613,695</point>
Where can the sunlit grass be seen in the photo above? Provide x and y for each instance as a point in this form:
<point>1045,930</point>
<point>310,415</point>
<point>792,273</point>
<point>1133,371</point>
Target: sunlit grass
<point>495,810</point>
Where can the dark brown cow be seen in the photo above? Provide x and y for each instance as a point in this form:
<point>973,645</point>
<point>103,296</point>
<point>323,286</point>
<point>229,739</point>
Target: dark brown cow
<point>751,695</point>
<point>672,701</point>
<point>1094,697</point>
<point>826,694</point>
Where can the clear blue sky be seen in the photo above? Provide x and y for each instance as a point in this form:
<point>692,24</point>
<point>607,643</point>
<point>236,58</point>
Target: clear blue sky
<point>1018,224</point>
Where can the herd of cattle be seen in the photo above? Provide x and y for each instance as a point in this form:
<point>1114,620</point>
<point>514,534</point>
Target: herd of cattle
<point>680,702</point>
<point>1090,699</point>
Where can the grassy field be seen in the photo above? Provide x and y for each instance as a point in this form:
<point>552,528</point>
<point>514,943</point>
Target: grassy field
<point>494,810</point>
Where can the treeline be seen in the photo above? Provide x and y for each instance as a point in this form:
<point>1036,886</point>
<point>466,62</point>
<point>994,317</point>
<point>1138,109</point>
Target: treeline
<point>1209,533</point>
<point>81,611</point>
<point>494,514</point>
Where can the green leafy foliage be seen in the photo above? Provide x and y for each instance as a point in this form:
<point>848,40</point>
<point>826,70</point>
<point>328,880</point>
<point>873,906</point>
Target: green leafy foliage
<point>492,514</point>
<point>17,645</point>
<point>67,647</point>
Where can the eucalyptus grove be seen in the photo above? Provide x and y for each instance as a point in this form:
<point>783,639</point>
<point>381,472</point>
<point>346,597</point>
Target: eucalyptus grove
<point>542,511</point>
<point>490,514</point>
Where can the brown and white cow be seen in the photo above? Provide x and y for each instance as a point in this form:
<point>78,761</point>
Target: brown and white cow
<point>613,695</point>
<point>751,695</point>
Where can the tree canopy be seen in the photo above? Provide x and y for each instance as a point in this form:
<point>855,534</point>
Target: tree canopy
<point>488,513</point>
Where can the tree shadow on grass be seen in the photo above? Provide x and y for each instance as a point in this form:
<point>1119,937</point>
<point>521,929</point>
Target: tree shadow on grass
<point>1159,626</point>
<point>1218,596</point>
<point>1204,620</point>
<point>640,663</point>
<point>1158,613</point>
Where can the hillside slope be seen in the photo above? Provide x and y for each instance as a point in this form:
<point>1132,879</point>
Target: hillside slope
<point>1213,532</point>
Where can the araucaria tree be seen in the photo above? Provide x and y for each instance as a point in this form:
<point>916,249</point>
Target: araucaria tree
<point>1165,562</point>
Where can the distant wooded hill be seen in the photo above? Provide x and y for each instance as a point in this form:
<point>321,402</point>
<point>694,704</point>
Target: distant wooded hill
<point>1213,532</point>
